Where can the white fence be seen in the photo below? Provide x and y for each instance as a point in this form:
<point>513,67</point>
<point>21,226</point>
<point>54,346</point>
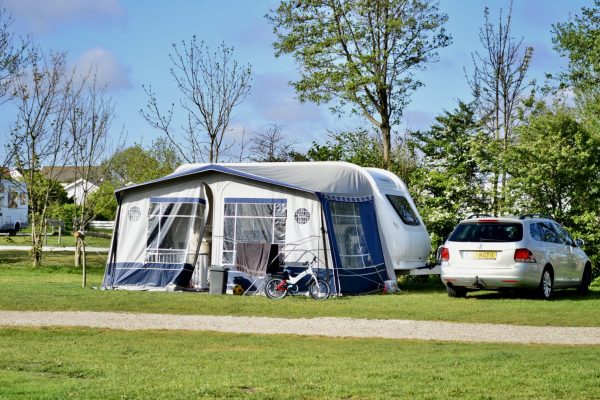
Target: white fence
<point>102,224</point>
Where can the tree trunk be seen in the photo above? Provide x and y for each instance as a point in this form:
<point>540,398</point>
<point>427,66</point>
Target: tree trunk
<point>77,252</point>
<point>36,250</point>
<point>36,243</point>
<point>387,144</point>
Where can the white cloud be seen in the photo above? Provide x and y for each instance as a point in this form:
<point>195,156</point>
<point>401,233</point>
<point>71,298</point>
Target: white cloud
<point>275,101</point>
<point>418,119</point>
<point>46,15</point>
<point>106,66</point>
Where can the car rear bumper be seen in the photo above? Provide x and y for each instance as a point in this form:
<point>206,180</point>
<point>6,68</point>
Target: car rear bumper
<point>519,275</point>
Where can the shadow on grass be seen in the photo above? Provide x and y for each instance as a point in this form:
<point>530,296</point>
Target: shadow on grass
<point>422,283</point>
<point>51,262</point>
<point>558,295</point>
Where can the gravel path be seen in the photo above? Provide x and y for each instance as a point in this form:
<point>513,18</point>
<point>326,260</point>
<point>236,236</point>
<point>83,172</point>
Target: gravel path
<point>332,327</point>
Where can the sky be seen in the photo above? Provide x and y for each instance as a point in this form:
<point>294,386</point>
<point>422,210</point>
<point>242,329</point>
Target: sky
<point>129,42</point>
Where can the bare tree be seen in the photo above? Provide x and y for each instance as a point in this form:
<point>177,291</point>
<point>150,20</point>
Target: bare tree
<point>39,136</point>
<point>499,84</point>
<point>13,55</point>
<point>88,121</point>
<point>243,144</point>
<point>211,84</point>
<point>270,145</point>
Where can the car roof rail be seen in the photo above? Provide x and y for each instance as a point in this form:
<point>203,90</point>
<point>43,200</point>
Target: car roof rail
<point>472,216</point>
<point>535,216</point>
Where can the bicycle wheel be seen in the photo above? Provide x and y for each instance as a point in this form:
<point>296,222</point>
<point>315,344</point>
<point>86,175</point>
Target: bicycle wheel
<point>319,290</point>
<point>272,291</point>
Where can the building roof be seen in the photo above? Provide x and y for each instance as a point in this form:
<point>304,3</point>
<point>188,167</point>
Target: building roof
<point>69,174</point>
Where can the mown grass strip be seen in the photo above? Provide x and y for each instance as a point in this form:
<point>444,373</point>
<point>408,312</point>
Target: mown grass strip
<point>56,287</point>
<point>102,364</point>
<point>66,240</point>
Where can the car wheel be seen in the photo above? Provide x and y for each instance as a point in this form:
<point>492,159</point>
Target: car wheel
<point>454,291</point>
<point>14,231</point>
<point>546,284</point>
<point>586,279</point>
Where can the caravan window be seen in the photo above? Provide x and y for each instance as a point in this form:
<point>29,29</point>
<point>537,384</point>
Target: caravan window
<point>350,236</point>
<point>13,199</point>
<point>171,225</point>
<point>249,220</point>
<point>403,209</point>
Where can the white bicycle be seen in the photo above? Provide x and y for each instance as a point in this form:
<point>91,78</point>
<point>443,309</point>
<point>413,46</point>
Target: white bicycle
<point>278,287</point>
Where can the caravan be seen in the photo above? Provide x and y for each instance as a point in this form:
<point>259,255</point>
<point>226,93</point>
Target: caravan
<point>13,206</point>
<point>360,223</point>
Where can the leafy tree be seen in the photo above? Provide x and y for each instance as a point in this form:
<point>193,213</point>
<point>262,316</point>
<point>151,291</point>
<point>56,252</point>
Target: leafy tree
<point>165,153</point>
<point>555,169</point>
<point>362,147</point>
<point>449,182</point>
<point>555,165</point>
<point>136,164</point>
<point>67,213</point>
<point>360,53</point>
<point>359,147</point>
<point>103,203</point>
<point>579,40</point>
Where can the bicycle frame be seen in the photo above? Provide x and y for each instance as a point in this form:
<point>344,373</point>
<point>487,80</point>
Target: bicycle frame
<point>294,280</point>
<point>297,278</point>
<point>278,287</point>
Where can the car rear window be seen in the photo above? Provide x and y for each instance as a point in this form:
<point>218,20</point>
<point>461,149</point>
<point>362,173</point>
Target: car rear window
<point>487,232</point>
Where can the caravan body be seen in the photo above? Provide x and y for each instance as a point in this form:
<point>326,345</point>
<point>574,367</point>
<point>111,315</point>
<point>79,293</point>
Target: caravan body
<point>13,206</point>
<point>361,224</point>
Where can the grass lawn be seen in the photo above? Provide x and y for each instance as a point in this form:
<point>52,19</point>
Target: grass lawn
<point>67,240</point>
<point>103,364</point>
<point>55,287</point>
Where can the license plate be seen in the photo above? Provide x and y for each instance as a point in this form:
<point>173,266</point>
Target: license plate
<point>482,255</point>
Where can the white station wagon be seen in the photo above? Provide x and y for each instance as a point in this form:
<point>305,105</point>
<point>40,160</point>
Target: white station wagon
<point>489,253</point>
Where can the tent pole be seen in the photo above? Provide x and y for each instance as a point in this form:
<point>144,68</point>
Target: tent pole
<point>324,236</point>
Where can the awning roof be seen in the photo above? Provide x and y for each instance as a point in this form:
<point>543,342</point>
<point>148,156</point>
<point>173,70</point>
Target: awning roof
<point>203,168</point>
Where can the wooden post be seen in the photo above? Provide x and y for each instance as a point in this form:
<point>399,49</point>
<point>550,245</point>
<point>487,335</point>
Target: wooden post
<point>59,233</point>
<point>83,263</point>
<point>79,239</point>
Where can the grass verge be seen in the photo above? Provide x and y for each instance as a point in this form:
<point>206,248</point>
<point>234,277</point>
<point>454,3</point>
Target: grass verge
<point>56,287</point>
<point>101,364</point>
<point>67,240</point>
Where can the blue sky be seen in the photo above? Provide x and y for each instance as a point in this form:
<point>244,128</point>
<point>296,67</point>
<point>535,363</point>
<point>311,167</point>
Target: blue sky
<point>129,42</point>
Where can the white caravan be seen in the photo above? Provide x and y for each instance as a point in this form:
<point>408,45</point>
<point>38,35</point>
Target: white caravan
<point>360,223</point>
<point>13,206</point>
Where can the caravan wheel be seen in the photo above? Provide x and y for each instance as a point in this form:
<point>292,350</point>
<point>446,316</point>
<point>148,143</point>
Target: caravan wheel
<point>14,231</point>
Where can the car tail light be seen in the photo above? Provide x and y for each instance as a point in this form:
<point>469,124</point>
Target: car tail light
<point>524,256</point>
<point>445,254</point>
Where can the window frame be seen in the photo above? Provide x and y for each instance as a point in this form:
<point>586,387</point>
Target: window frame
<point>160,212</point>
<point>411,211</point>
<point>231,215</point>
